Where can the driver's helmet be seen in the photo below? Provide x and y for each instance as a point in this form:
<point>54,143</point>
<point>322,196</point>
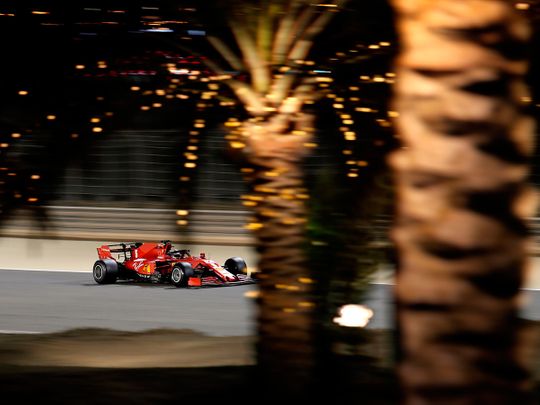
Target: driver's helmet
<point>167,245</point>
<point>202,255</point>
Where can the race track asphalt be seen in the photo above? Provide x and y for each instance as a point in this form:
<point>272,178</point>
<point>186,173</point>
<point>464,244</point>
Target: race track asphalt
<point>55,301</point>
<point>44,301</point>
<point>49,301</point>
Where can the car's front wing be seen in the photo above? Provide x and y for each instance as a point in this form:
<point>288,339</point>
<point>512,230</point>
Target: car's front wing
<point>212,281</point>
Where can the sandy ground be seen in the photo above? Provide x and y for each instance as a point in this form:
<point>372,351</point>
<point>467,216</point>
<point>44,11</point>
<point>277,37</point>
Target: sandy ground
<point>96,366</point>
<point>113,349</point>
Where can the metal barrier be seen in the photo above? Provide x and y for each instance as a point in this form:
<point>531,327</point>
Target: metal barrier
<point>205,226</point>
<point>118,224</point>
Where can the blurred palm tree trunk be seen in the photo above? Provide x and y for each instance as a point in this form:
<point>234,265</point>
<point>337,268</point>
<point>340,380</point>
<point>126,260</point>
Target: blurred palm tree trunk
<point>285,347</point>
<point>274,39</point>
<point>462,200</point>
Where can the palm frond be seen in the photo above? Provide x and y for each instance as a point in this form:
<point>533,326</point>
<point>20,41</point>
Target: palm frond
<point>292,24</point>
<point>256,65</point>
<point>226,53</point>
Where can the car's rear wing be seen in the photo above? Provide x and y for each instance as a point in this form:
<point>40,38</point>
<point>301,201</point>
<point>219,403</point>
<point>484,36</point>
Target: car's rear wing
<point>122,250</point>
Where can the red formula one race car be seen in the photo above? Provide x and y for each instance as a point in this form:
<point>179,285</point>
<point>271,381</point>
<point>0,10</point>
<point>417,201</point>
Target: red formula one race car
<point>161,262</point>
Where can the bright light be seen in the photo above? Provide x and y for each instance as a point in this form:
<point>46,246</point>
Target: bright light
<point>253,226</point>
<point>353,316</point>
<point>158,29</point>
<point>364,109</point>
<point>522,6</point>
<point>252,294</point>
<point>237,145</point>
<point>179,71</point>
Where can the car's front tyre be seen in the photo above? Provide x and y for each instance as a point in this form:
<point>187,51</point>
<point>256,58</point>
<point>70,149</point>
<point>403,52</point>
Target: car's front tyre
<point>235,265</point>
<point>105,271</point>
<point>180,274</point>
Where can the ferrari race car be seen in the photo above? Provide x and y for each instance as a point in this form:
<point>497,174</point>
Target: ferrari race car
<point>161,262</point>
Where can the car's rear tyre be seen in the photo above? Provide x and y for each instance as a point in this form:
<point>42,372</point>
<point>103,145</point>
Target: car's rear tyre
<point>105,271</point>
<point>235,265</point>
<point>180,274</point>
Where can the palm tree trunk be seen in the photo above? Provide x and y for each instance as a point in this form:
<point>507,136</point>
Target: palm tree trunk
<point>285,349</point>
<point>460,233</point>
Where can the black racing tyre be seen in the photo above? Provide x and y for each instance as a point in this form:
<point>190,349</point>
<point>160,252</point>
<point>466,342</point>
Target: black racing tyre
<point>235,265</point>
<point>180,274</point>
<point>105,271</point>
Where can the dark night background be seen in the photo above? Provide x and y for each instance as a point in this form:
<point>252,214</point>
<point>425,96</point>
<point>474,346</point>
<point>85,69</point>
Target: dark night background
<point>44,42</point>
<point>55,40</point>
<point>87,60</point>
